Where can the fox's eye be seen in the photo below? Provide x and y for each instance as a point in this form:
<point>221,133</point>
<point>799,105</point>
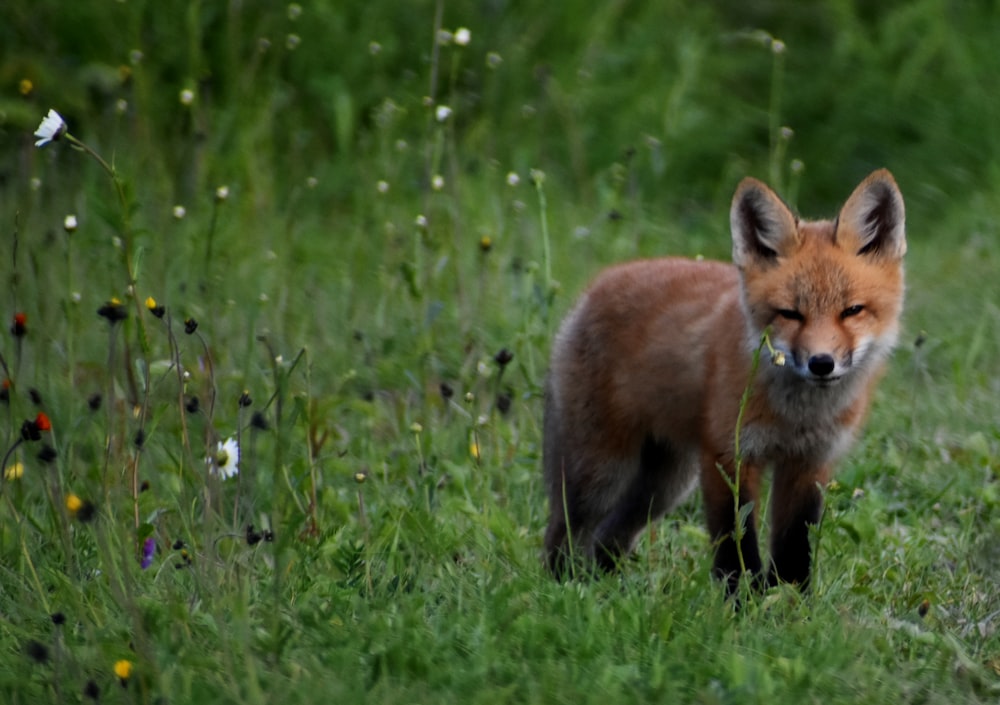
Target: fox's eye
<point>852,311</point>
<point>790,314</point>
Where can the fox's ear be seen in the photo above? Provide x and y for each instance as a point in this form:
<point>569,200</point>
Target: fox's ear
<point>763,226</point>
<point>873,221</point>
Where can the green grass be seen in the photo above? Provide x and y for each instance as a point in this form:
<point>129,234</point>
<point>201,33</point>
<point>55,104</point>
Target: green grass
<point>405,564</point>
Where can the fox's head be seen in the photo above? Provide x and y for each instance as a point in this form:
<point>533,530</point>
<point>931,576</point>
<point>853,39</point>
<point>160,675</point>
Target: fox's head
<point>829,292</point>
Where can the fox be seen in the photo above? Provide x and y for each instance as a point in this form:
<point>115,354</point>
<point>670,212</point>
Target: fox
<point>671,372</point>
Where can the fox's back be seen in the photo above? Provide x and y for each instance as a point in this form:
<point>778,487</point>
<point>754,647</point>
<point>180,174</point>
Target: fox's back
<point>641,341</point>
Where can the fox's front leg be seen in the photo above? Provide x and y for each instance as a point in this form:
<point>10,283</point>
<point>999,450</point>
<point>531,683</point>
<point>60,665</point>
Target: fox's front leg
<point>796,504</point>
<point>723,515</point>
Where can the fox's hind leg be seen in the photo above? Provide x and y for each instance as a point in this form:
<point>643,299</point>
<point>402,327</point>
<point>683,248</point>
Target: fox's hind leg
<point>663,478</point>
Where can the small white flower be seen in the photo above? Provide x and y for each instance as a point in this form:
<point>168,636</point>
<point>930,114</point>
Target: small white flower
<point>537,177</point>
<point>382,187</point>
<point>294,11</point>
<point>437,182</point>
<point>482,420</point>
<point>121,106</point>
<point>264,298</point>
<point>787,133</point>
<point>292,42</point>
<point>797,166</point>
<point>35,183</point>
<point>70,223</point>
<point>187,96</point>
<point>462,36</point>
<point>778,46</point>
<point>512,178</point>
<point>493,60</point>
<point>311,182</point>
<point>222,193</point>
<point>76,297</point>
<point>52,128</point>
<point>442,113</point>
<point>374,48</point>
<point>444,37</point>
<point>226,461</point>
<point>179,212</point>
<point>135,56</point>
<point>420,221</point>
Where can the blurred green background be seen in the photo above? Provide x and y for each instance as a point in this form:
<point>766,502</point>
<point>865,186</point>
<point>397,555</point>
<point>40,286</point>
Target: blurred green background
<point>372,248</point>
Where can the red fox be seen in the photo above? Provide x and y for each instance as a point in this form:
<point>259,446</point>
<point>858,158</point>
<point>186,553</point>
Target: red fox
<point>649,368</point>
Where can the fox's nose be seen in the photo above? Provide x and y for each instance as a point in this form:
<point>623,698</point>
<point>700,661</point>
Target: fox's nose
<point>821,365</point>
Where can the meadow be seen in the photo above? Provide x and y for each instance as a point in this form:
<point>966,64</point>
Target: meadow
<point>276,313</point>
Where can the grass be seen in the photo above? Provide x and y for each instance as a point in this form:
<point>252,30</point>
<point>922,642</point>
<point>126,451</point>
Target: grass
<point>381,541</point>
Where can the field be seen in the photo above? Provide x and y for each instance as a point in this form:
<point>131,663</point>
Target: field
<point>334,239</point>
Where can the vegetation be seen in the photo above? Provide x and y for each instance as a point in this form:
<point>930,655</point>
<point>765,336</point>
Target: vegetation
<point>339,236</point>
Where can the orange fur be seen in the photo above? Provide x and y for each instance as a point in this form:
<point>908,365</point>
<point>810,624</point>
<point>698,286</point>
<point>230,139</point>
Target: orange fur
<point>648,370</point>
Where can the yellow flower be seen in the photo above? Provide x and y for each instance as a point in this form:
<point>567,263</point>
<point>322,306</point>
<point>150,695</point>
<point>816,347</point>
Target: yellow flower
<point>73,503</point>
<point>123,669</point>
<point>14,472</point>
<point>26,86</point>
<point>474,447</point>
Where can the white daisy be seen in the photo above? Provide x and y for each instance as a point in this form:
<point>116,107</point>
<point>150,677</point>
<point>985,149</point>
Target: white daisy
<point>462,36</point>
<point>442,113</point>
<point>52,128</point>
<point>226,461</point>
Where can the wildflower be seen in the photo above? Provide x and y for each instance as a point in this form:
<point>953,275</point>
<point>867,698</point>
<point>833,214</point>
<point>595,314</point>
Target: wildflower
<point>25,86</point>
<point>446,391</point>
<point>155,308</point>
<point>311,182</point>
<point>20,327</point>
<point>512,178</point>
<point>35,396</point>
<point>442,113</point>
<point>420,221</point>
<point>493,60</point>
<point>121,105</point>
<point>437,182</point>
<point>82,509</point>
<point>415,427</point>
<point>292,42</point>
<point>191,405</point>
<point>777,46</point>
<point>462,36</point>
<point>140,438</point>
<point>259,421</point>
<point>51,129</point>
<point>123,669</point>
<point>148,549</point>
<point>474,447</point>
<point>382,186</point>
<point>114,310</point>
<point>360,476</point>
<point>47,454</point>
<point>444,37</point>
<point>190,325</point>
<point>14,472</point>
<point>787,133</point>
<point>245,400</point>
<point>537,177</point>
<point>227,459</point>
<point>32,430</point>
<point>797,165</point>
<point>221,193</point>
<point>503,402</point>
<point>294,11</point>
<point>70,223</point>
<point>186,96</point>
<point>778,358</point>
<point>485,244</point>
<point>37,651</point>
<point>5,390</point>
<point>253,536</point>
<point>135,56</point>
<point>503,357</point>
<point>374,48</point>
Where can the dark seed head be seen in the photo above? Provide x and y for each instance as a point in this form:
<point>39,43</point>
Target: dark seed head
<point>94,401</point>
<point>190,326</point>
<point>503,357</point>
<point>446,391</point>
<point>37,651</point>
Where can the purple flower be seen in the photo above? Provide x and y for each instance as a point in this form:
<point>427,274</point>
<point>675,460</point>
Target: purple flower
<point>148,549</point>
